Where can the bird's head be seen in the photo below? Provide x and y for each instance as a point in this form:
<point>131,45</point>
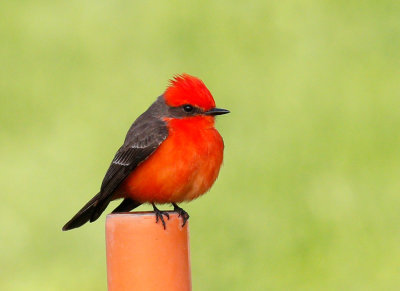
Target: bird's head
<point>187,96</point>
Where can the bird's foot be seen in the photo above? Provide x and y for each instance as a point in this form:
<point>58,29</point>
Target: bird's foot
<point>159,215</point>
<point>182,213</point>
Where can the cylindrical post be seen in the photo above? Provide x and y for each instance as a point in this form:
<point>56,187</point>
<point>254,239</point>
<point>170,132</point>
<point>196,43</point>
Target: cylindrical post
<point>141,255</point>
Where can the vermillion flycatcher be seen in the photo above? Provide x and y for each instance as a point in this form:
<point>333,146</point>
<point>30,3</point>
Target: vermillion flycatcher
<point>172,153</point>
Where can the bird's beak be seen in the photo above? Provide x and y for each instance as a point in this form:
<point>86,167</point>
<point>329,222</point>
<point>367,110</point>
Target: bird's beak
<point>216,111</point>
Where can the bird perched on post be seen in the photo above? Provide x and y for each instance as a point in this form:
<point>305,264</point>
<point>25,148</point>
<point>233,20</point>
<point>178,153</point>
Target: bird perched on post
<point>172,153</point>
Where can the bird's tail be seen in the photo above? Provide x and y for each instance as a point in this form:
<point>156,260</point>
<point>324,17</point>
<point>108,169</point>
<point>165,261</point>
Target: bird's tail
<point>90,212</point>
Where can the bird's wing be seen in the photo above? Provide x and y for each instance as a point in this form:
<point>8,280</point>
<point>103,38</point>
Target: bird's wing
<point>143,138</point>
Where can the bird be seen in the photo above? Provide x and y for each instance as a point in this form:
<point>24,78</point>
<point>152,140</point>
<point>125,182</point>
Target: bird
<point>172,153</point>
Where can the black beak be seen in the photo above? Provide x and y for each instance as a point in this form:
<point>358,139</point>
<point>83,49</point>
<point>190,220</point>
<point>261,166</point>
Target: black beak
<point>216,111</point>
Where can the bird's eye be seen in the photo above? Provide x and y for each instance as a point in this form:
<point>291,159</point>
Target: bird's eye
<point>188,108</point>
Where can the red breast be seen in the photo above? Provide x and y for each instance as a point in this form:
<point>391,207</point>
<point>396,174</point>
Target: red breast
<point>184,166</point>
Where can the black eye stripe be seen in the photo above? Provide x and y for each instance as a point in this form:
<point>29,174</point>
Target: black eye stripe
<point>185,110</point>
<point>188,107</point>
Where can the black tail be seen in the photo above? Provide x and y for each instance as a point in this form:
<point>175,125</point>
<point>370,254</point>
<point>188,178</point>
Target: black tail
<point>126,205</point>
<point>94,208</point>
<point>90,212</point>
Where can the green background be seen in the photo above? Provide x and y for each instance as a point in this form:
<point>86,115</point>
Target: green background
<point>308,197</point>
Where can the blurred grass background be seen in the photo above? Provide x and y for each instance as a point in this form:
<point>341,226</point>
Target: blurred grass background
<point>308,198</point>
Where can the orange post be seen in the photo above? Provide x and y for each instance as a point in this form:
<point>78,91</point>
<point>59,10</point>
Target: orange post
<point>141,255</point>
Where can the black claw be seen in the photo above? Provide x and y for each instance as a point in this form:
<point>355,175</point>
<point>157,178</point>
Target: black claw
<point>182,213</point>
<point>159,215</point>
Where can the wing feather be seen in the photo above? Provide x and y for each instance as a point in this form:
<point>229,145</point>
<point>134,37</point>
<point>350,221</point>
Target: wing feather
<point>143,138</point>
<point>140,143</point>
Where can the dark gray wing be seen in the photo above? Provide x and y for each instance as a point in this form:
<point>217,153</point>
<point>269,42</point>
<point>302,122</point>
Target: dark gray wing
<point>142,139</point>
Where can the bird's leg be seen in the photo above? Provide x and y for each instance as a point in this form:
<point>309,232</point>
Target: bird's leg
<point>182,213</point>
<point>159,215</point>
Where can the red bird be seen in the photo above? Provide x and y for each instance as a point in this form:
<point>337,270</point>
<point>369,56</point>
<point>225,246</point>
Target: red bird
<point>172,153</point>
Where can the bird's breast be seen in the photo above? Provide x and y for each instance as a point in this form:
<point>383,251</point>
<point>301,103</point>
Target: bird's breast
<point>183,167</point>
